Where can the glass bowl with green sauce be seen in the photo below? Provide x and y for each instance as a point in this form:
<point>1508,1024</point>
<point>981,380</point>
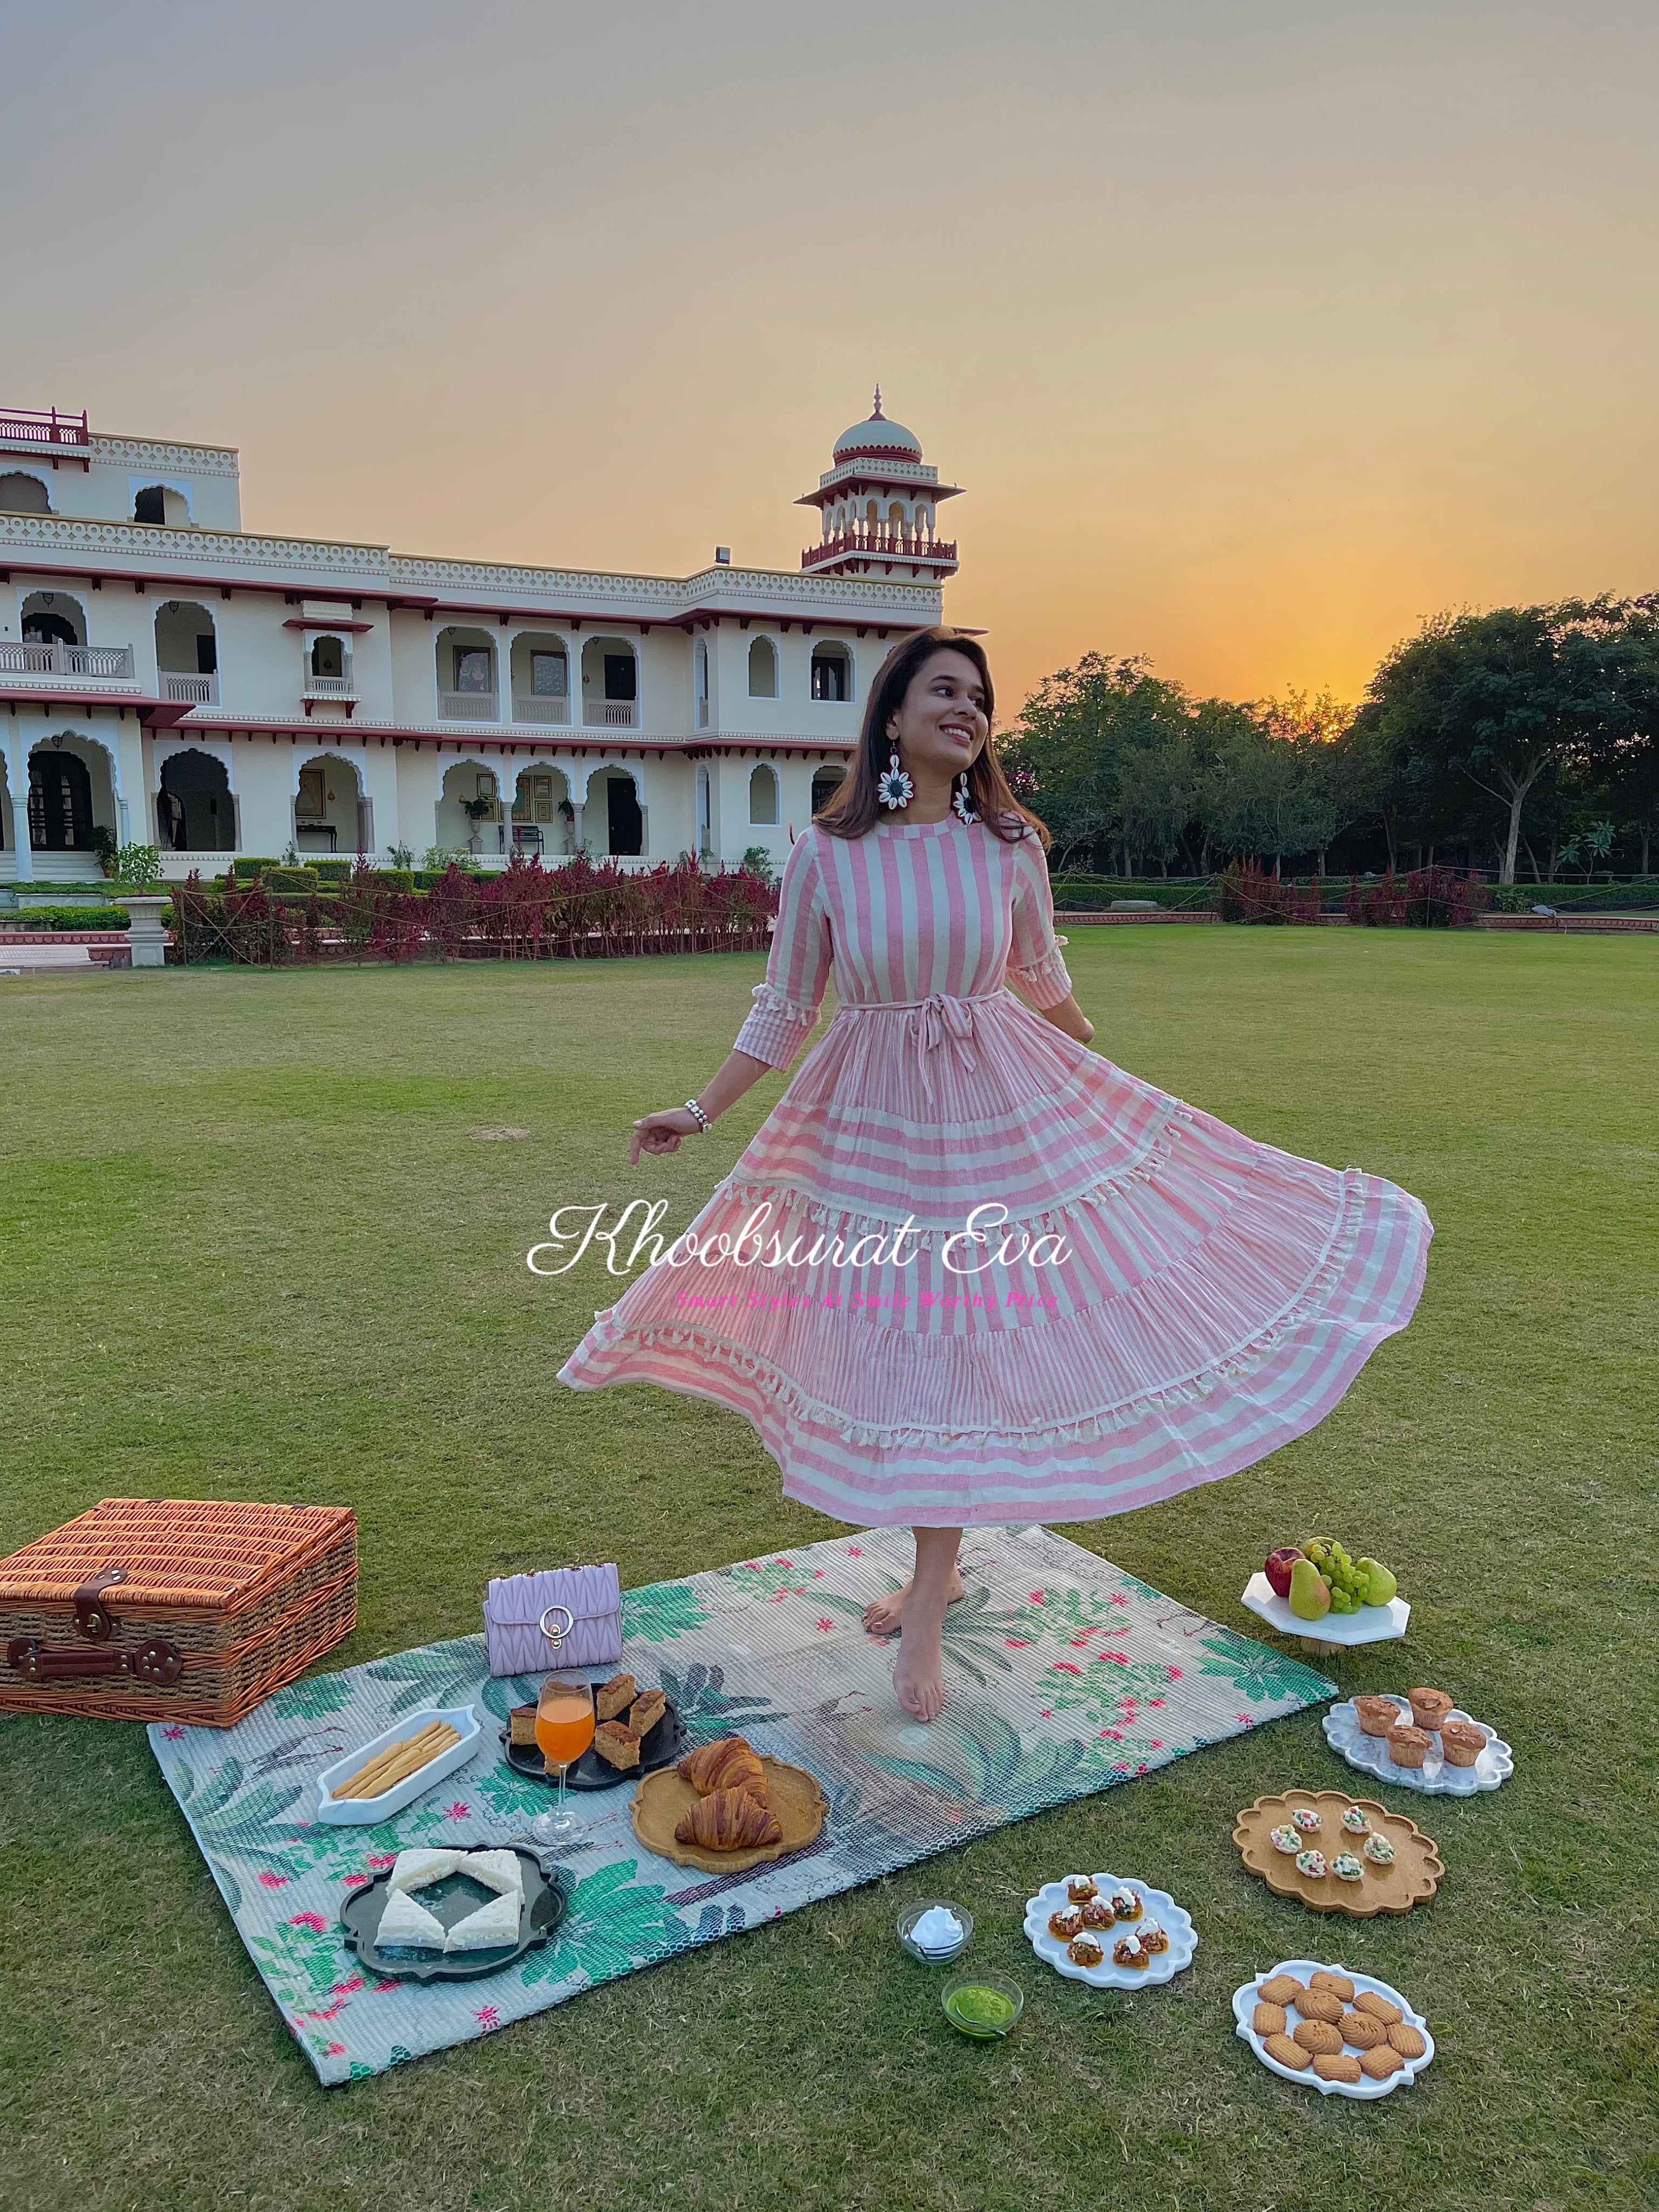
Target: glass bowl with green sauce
<point>983,2006</point>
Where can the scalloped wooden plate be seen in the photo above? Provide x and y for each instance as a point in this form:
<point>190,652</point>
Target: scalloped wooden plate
<point>663,1799</point>
<point>1411,1880</point>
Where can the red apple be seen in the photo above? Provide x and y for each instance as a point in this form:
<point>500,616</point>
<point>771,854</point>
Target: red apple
<point>1280,1566</point>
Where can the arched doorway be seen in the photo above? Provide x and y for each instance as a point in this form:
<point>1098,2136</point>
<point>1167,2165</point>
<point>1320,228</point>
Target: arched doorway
<point>60,803</point>
<point>53,618</point>
<point>194,810</point>
<point>625,818</point>
<point>330,814</point>
<point>21,493</point>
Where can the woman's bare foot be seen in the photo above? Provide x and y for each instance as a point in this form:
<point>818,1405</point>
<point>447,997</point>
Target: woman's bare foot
<point>919,1677</point>
<point>919,1674</point>
<point>884,1616</point>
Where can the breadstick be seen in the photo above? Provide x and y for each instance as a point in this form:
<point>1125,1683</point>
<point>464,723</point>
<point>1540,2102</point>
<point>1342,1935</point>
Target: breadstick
<point>386,1757</point>
<point>368,1781</point>
<point>411,1757</point>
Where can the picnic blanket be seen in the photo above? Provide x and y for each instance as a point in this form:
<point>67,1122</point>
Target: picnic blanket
<point>1063,1676</point>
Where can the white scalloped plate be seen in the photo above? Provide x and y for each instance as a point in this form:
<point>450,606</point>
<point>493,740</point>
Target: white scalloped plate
<point>1245,2001</point>
<point>1372,1624</point>
<point>1435,1777</point>
<point>1160,1906</point>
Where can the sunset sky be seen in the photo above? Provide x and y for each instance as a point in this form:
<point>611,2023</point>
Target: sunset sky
<point>1256,329</point>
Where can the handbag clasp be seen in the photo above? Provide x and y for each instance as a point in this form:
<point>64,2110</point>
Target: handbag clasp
<point>557,1636</point>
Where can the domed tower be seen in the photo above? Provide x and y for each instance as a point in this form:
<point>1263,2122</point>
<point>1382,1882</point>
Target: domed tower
<point>877,502</point>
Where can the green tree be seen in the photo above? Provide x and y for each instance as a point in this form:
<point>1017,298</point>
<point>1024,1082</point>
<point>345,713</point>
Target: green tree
<point>1076,736</point>
<point>1493,701</point>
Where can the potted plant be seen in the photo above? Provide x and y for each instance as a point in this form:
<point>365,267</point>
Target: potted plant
<point>476,810</point>
<point>104,845</point>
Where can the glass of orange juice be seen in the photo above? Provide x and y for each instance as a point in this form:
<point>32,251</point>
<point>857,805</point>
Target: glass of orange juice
<point>564,1729</point>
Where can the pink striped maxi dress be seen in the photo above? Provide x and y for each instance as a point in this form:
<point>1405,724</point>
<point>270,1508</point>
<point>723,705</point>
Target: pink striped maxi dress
<point>1159,1301</point>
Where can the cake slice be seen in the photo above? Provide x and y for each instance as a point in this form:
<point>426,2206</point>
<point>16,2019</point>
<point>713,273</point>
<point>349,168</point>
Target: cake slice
<point>613,1698</point>
<point>617,1746</point>
<point>648,1709</point>
<point>521,1726</point>
<point>496,1921</point>
<point>411,1925</point>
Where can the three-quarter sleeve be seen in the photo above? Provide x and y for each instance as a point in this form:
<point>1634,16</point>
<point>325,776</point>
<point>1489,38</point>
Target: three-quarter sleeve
<point>1036,963</point>
<point>787,1003</point>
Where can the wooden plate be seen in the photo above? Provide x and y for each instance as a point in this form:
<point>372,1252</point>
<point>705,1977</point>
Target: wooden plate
<point>662,1801</point>
<point>1411,1880</point>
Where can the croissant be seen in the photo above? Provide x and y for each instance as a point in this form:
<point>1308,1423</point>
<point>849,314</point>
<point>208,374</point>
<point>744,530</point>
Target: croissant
<point>728,1820</point>
<point>728,1764</point>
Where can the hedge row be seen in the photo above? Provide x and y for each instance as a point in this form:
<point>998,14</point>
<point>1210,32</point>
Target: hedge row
<point>69,917</point>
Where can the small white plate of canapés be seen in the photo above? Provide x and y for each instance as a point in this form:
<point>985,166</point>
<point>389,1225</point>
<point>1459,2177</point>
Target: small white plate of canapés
<point>1109,1930</point>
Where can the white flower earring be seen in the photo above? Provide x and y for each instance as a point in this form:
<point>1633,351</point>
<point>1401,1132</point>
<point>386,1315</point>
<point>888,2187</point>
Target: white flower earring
<point>964,807</point>
<point>893,786</point>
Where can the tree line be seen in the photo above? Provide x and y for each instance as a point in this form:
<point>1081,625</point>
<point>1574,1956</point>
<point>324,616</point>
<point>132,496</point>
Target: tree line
<point>1523,734</point>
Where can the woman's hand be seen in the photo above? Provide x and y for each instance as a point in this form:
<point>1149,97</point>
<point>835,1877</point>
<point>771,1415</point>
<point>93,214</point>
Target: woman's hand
<point>661,1132</point>
<point>1070,1016</point>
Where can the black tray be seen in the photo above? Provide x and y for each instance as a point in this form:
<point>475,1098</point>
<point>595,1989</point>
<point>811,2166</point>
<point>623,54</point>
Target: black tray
<point>660,1746</point>
<point>449,1900</point>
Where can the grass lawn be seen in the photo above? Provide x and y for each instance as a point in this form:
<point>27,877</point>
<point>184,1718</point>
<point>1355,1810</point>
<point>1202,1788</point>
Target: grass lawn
<point>251,1250</point>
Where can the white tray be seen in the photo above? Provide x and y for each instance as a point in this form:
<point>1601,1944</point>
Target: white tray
<point>1437,1777</point>
<point>1177,1924</point>
<point>1372,1624</point>
<point>1245,2001</point>
<point>363,1812</point>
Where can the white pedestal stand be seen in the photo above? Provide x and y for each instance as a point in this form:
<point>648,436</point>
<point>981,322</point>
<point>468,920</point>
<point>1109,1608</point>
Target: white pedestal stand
<point>1334,1632</point>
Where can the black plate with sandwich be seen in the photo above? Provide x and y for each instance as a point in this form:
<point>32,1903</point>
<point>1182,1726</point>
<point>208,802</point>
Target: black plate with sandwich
<point>662,1743</point>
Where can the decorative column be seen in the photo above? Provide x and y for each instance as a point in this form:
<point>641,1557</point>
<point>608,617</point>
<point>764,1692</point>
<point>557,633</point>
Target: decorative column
<point>17,786</point>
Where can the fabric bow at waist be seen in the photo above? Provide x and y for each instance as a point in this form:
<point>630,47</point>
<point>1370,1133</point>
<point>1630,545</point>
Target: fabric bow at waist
<point>942,1018</point>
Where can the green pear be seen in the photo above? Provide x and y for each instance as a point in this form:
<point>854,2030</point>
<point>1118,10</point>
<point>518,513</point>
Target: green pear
<point>1379,1584</point>
<point>1310,1594</point>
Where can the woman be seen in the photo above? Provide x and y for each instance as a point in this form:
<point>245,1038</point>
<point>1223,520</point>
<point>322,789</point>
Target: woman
<point>975,1274</point>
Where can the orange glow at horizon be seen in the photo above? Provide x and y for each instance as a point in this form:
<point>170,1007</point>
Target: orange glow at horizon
<point>1253,337</point>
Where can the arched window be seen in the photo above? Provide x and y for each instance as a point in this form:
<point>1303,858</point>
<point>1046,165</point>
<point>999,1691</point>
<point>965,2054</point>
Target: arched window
<point>327,656</point>
<point>160,503</point>
<point>832,672</point>
<point>53,618</point>
<point>764,797</point>
<point>826,782</point>
<point>194,810</point>
<point>763,668</point>
<point>60,803</point>
<point>896,515</point>
<point>873,512</point>
<point>186,655</point>
<point>24,495</point>
<point>700,682</point>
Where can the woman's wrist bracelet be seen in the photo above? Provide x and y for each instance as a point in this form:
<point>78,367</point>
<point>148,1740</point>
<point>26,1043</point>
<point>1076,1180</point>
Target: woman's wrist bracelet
<point>704,1123</point>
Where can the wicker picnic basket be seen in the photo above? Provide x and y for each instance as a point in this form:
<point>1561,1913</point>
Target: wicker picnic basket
<point>174,1609</point>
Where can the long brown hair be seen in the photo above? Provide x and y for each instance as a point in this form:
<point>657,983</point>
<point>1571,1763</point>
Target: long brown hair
<point>854,807</point>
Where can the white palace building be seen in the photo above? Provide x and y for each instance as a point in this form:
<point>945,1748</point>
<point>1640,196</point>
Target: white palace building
<point>171,679</point>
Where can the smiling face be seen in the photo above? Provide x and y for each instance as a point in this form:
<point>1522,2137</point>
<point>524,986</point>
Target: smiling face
<point>942,725</point>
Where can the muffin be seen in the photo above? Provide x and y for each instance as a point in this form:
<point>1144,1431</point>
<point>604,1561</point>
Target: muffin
<point>1408,1746</point>
<point>1461,1742</point>
<point>1429,1708</point>
<point>1376,1714</point>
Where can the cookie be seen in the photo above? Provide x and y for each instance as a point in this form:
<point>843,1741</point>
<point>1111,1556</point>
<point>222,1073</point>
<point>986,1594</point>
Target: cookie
<point>1380,2062</point>
<point>1319,2004</point>
<point>1292,2054</point>
<point>1281,1990</point>
<point>1317,2035</point>
<point>1338,1985</point>
<point>1407,2039</point>
<point>1361,2031</point>
<point>1379,2008</point>
<point>1085,1951</point>
<point>1336,2066</point>
<point>1271,2020</point>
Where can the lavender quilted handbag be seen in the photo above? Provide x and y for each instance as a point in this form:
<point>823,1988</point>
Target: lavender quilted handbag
<point>561,1617</point>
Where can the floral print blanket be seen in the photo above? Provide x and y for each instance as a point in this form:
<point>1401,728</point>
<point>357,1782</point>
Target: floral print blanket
<point>1063,1676</point>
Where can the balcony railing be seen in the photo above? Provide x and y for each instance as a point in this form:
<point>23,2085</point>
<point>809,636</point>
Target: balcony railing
<point>21,428</point>
<point>467,705</point>
<point>113,663</point>
<point>329,687</point>
<point>882,543</point>
<point>199,690</point>
<point>541,710</point>
<point>611,714</point>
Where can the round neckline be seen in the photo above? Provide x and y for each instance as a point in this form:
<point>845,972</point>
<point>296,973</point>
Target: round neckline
<point>922,829</point>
